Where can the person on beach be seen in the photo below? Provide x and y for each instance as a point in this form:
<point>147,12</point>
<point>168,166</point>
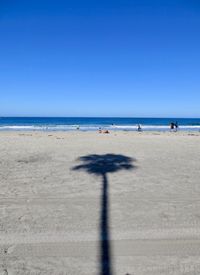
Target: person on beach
<point>172,126</point>
<point>176,126</point>
<point>139,128</point>
<point>103,131</point>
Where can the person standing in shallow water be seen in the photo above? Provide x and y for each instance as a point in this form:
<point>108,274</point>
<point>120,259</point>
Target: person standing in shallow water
<point>139,128</point>
<point>176,126</point>
<point>172,126</point>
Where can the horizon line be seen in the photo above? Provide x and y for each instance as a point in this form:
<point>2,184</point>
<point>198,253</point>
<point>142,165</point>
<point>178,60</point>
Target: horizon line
<point>131,117</point>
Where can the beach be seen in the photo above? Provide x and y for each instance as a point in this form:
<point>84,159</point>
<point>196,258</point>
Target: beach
<point>88,203</point>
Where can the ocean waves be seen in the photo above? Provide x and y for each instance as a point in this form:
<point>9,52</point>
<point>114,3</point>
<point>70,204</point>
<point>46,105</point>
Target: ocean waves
<point>94,127</point>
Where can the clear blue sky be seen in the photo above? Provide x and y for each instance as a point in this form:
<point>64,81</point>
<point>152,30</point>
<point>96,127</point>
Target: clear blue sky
<point>100,58</point>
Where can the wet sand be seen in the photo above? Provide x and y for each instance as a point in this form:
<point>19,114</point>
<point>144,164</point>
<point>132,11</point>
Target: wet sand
<point>131,205</point>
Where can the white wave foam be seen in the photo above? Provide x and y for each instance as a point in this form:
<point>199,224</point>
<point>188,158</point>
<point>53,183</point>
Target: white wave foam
<point>16,127</point>
<point>93,127</point>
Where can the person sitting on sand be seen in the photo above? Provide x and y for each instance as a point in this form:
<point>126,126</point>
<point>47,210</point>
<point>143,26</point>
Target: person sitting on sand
<point>103,131</point>
<point>106,132</point>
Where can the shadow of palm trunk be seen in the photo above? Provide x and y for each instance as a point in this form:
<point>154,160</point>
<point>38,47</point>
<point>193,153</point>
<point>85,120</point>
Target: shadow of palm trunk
<point>105,253</point>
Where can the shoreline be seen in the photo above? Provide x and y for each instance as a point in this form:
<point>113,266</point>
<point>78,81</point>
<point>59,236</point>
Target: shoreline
<point>97,132</point>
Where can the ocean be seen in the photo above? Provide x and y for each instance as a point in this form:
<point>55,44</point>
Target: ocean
<point>94,123</point>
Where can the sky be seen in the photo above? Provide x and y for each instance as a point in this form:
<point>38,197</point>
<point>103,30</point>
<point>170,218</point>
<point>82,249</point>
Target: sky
<point>136,58</point>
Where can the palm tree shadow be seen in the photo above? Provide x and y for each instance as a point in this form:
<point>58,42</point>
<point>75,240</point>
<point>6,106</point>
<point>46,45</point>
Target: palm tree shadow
<point>101,165</point>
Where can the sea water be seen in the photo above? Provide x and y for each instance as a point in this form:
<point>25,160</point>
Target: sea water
<point>94,123</point>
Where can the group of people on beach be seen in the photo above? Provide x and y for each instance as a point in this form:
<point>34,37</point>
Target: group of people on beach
<point>174,126</point>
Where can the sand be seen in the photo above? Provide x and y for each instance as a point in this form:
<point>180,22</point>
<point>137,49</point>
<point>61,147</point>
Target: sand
<point>138,207</point>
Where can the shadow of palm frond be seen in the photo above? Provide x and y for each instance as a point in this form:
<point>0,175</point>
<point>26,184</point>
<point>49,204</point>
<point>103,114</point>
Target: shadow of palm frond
<point>103,164</point>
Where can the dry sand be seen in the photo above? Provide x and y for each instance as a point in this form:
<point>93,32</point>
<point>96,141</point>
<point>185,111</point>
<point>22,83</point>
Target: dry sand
<point>52,217</point>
